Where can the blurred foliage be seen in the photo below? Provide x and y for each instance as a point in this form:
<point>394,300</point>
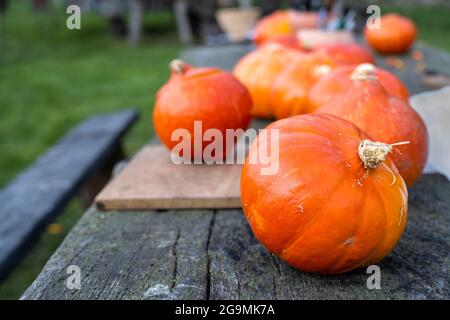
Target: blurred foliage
<point>29,268</point>
<point>52,78</point>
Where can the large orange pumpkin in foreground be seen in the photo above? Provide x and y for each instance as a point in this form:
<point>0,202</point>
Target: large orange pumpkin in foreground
<point>346,53</point>
<point>385,118</point>
<point>336,202</point>
<point>290,88</point>
<point>395,35</point>
<point>339,81</point>
<point>258,69</point>
<point>212,96</point>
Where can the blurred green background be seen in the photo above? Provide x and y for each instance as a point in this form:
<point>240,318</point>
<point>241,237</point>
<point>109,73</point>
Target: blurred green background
<point>52,78</point>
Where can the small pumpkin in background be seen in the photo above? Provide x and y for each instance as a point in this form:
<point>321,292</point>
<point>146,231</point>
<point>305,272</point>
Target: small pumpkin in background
<point>336,202</point>
<point>289,91</point>
<point>346,53</point>
<point>258,69</point>
<point>338,82</point>
<point>288,41</point>
<point>396,34</point>
<point>210,95</point>
<point>384,117</point>
<point>283,23</point>
<point>278,23</point>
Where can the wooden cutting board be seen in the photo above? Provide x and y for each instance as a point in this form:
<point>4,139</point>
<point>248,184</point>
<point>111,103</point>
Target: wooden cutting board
<point>152,181</point>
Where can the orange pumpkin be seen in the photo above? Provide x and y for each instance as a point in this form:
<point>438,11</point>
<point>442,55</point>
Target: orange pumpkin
<point>288,41</point>
<point>395,35</point>
<point>279,23</point>
<point>339,81</point>
<point>283,23</point>
<point>346,53</point>
<point>258,69</point>
<point>385,118</point>
<point>289,91</point>
<point>210,95</point>
<point>337,201</point>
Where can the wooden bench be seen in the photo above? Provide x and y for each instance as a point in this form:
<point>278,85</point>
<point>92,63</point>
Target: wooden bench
<point>80,162</point>
<point>212,254</point>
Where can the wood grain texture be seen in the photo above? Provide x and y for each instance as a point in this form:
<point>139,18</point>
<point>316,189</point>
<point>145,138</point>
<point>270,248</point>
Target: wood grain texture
<point>152,181</point>
<point>212,254</point>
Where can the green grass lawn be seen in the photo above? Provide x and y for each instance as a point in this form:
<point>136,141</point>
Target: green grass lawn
<point>52,78</point>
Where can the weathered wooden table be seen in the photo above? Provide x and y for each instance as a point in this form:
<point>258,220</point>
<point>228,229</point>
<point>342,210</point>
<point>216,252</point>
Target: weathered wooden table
<point>212,254</point>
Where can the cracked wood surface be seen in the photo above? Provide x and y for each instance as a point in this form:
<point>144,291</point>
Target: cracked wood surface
<point>212,254</point>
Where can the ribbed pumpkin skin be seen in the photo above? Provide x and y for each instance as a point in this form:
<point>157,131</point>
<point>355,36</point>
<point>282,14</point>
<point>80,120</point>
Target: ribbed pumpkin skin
<point>209,95</point>
<point>258,69</point>
<point>337,82</point>
<point>396,35</point>
<point>385,118</point>
<point>323,211</point>
<point>289,91</point>
<point>346,54</point>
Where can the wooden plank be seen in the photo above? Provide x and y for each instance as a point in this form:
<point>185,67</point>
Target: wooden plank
<point>153,181</point>
<point>40,192</point>
<point>434,109</point>
<point>135,188</point>
<point>151,255</point>
<point>214,255</point>
<point>410,72</point>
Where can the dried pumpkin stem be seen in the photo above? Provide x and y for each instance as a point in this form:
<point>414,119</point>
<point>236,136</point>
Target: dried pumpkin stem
<point>399,143</point>
<point>364,71</point>
<point>372,153</point>
<point>177,66</point>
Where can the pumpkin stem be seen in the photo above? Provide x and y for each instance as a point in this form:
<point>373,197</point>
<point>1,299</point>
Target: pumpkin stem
<point>399,143</point>
<point>364,71</point>
<point>177,66</point>
<point>372,153</point>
